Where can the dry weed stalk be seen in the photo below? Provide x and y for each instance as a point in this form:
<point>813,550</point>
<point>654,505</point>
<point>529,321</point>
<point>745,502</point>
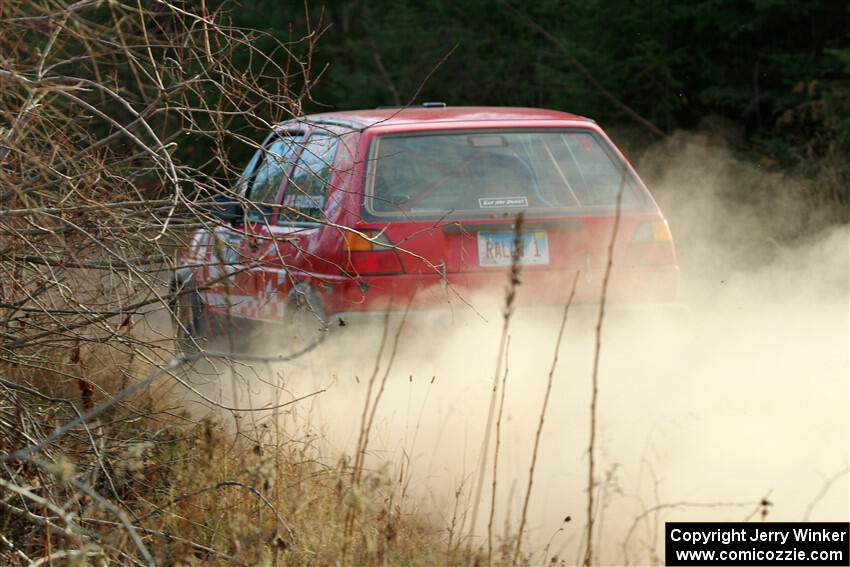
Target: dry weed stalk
<point>370,408</point>
<point>549,381</point>
<point>514,282</point>
<point>594,393</point>
<point>496,454</point>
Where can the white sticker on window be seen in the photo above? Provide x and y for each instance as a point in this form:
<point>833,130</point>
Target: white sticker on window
<point>301,201</point>
<point>502,202</point>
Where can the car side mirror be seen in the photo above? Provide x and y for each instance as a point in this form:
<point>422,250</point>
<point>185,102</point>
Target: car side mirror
<point>226,209</point>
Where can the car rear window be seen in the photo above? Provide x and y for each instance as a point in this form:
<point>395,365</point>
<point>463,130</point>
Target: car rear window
<point>493,172</point>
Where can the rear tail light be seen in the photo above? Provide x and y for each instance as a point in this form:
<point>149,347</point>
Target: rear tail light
<point>370,252</point>
<point>651,245</point>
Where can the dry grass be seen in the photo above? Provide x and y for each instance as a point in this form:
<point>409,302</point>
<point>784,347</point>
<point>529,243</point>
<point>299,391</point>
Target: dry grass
<point>193,490</point>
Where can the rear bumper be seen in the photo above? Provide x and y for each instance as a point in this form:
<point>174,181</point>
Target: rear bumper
<point>241,334</point>
<point>587,312</point>
<point>627,286</point>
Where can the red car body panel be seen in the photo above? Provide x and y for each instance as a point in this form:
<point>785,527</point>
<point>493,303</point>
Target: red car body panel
<point>434,261</point>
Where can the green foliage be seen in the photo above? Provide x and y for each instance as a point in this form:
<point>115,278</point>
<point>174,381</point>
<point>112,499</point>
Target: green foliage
<point>673,61</point>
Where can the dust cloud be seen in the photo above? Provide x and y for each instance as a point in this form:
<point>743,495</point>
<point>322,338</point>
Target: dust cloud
<point>699,418</point>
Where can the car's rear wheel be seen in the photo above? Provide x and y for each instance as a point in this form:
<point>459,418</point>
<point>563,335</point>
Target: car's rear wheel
<point>187,316</point>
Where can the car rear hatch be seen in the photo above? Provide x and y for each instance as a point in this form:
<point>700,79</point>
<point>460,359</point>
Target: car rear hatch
<point>451,198</point>
<point>486,245</point>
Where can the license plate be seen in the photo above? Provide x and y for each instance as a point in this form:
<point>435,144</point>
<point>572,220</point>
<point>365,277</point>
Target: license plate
<point>496,248</point>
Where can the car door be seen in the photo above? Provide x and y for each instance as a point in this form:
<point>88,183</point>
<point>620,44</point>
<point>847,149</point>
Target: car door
<point>293,249</point>
<point>237,249</point>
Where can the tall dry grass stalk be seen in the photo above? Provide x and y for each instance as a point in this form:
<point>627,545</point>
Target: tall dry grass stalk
<point>495,469</point>
<point>514,282</point>
<point>549,380</point>
<point>594,393</point>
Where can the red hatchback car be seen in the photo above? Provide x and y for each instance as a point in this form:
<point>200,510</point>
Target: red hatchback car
<point>352,212</point>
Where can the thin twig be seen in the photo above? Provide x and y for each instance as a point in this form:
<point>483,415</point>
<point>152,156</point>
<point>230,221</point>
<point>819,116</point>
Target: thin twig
<point>591,448</point>
<point>549,381</point>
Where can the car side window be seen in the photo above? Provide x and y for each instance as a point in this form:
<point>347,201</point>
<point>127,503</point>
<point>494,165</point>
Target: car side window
<point>248,173</point>
<point>305,194</point>
<point>264,183</point>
